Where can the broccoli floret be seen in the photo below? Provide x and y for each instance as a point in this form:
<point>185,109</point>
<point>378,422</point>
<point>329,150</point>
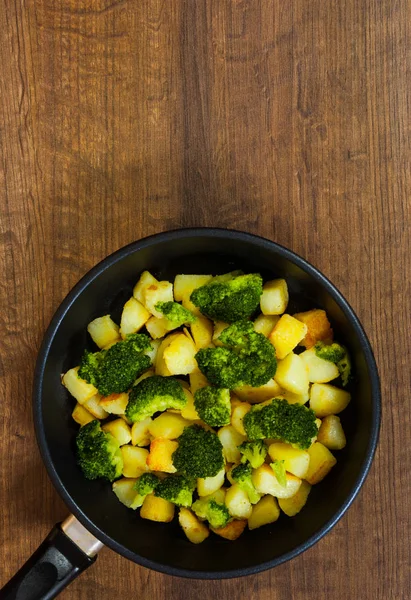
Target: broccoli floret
<point>152,395</point>
<point>291,423</point>
<point>175,313</point>
<point>247,358</point>
<point>113,371</point>
<point>213,405</point>
<point>98,453</point>
<point>279,471</point>
<point>337,354</point>
<point>253,452</point>
<point>241,474</point>
<point>145,484</point>
<point>177,489</point>
<point>199,453</point>
<point>214,512</point>
<point>229,297</point>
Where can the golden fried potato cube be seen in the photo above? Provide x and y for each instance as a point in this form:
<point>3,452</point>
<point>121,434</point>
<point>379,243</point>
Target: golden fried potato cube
<point>274,298</point>
<point>145,280</point>
<point>195,530</point>
<point>78,388</point>
<point>134,461</point>
<point>319,370</point>
<point>321,463</point>
<point>159,327</point>
<point>232,530</point>
<point>81,415</point>
<point>157,509</point>
<point>331,433</point>
<point>160,365</point>
<point>115,404</point>
<point>264,512</point>
<point>254,395</point>
<point>103,331</point>
<point>179,356</point>
<point>265,324</point>
<point>94,407</point>
<point>133,317</point>
<point>286,335</point>
<point>292,374</point>
<point>265,482</point>
<point>184,285</point>
<point>119,430</point>
<point>124,490</point>
<point>161,455</point>
<point>237,415</point>
<point>167,425</point>
<point>162,291</point>
<point>326,399</point>
<point>209,485</point>
<point>197,381</point>
<point>292,506</point>
<point>202,332</point>
<point>296,461</point>
<point>140,435</point>
<point>230,440</point>
<point>238,503</point>
<point>189,411</point>
<point>318,327</point>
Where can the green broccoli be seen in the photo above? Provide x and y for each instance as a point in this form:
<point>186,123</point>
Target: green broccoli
<point>177,489</point>
<point>152,395</point>
<point>229,297</point>
<point>175,313</point>
<point>253,452</point>
<point>337,354</point>
<point>279,471</point>
<point>98,453</point>
<point>199,453</point>
<point>114,370</point>
<point>214,512</point>
<point>291,423</point>
<point>247,358</point>
<point>213,405</point>
<point>145,484</point>
<point>241,474</point>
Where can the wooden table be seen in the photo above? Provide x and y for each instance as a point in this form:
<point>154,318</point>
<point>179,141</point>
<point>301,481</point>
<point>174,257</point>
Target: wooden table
<point>287,119</point>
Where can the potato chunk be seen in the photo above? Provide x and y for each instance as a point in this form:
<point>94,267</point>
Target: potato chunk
<point>167,425</point>
<point>231,439</point>
<point>197,381</point>
<point>157,509</point>
<point>140,435</point>
<point>265,324</point>
<point>292,374</point>
<point>274,298</point>
<point>232,530</point>
<point>124,490</point>
<point>133,317</point>
<point>94,407</point>
<point>158,327</point>
<point>319,370</point>
<point>209,485</point>
<point>161,455</point>
<point>134,461</point>
<point>184,285</point>
<point>237,415</point>
<point>295,461</point>
<point>321,463</point>
<point>265,482</point>
<point>179,356</point>
<point>331,434</point>
<point>202,332</point>
<point>189,411</point>
<point>145,280</point>
<point>318,327</point>
<point>103,331</point>
<point>195,530</point>
<point>254,395</point>
<point>119,430</point>
<point>162,291</point>
<point>81,415</point>
<point>115,404</point>
<point>80,389</point>
<point>160,366</point>
<point>264,512</point>
<point>238,503</point>
<point>326,399</point>
<point>286,335</point>
<point>292,506</point>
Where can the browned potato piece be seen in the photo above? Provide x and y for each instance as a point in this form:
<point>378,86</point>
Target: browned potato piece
<point>157,509</point>
<point>195,530</point>
<point>232,530</point>
<point>318,327</point>
<point>321,463</point>
<point>331,434</point>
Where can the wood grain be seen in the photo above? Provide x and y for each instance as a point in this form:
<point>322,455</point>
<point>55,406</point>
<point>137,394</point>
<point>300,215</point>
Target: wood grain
<point>288,119</point>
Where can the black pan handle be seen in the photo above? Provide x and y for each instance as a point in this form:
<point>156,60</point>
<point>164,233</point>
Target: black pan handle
<point>56,562</point>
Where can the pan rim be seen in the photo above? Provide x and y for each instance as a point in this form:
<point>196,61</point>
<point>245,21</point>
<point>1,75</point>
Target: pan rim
<point>258,241</point>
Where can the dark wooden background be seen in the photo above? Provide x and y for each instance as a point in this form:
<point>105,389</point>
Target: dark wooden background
<point>289,119</point>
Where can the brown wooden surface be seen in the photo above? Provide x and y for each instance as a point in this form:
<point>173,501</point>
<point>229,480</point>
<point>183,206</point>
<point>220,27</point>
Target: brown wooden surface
<point>288,119</point>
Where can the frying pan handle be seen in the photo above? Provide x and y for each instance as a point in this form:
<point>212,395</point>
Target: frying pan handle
<point>56,562</point>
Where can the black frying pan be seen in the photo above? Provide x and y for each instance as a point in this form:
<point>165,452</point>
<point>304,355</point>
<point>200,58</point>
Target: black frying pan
<point>163,547</point>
